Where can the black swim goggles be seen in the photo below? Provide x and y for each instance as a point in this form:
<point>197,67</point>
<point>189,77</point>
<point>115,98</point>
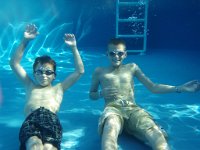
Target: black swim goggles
<point>114,53</point>
<point>46,72</point>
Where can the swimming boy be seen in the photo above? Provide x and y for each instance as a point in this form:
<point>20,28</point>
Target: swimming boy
<point>121,111</point>
<point>42,128</point>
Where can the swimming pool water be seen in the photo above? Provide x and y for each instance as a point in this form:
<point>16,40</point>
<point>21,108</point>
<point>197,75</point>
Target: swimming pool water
<point>171,24</point>
<point>178,114</point>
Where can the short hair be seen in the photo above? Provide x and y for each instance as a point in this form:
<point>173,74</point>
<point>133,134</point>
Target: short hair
<point>43,60</point>
<point>117,41</point>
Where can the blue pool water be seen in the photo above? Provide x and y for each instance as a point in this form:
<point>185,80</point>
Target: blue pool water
<point>171,58</point>
<point>178,113</point>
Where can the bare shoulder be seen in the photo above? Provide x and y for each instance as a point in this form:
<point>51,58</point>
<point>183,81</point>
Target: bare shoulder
<point>99,70</point>
<point>58,86</point>
<point>131,66</point>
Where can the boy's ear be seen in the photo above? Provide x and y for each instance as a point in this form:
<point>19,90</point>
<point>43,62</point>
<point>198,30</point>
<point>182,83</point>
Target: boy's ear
<point>125,55</point>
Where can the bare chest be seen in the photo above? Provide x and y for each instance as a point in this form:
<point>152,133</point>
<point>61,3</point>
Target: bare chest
<point>50,98</point>
<point>45,94</point>
<point>122,77</point>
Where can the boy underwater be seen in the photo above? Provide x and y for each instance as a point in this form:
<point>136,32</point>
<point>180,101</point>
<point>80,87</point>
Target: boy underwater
<point>42,128</point>
<point>121,112</point>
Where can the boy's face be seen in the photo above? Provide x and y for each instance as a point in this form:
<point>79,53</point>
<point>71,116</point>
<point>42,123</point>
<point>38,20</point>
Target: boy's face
<point>44,74</point>
<point>116,54</point>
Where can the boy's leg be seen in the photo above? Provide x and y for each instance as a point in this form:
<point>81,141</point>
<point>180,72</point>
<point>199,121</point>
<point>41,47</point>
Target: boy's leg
<point>141,125</point>
<point>111,130</point>
<point>156,138</point>
<point>34,143</point>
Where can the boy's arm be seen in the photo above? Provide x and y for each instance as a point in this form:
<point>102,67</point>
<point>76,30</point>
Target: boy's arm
<point>191,86</point>
<point>30,33</point>
<point>94,93</point>
<point>79,67</point>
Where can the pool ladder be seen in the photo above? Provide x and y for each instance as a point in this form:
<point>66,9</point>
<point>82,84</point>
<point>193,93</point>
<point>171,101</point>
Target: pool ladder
<point>131,24</point>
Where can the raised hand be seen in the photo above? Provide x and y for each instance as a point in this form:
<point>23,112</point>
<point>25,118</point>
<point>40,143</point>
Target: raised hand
<point>191,86</point>
<point>31,32</point>
<point>70,40</point>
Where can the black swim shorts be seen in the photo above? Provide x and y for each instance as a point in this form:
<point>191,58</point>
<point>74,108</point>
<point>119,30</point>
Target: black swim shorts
<point>45,125</point>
